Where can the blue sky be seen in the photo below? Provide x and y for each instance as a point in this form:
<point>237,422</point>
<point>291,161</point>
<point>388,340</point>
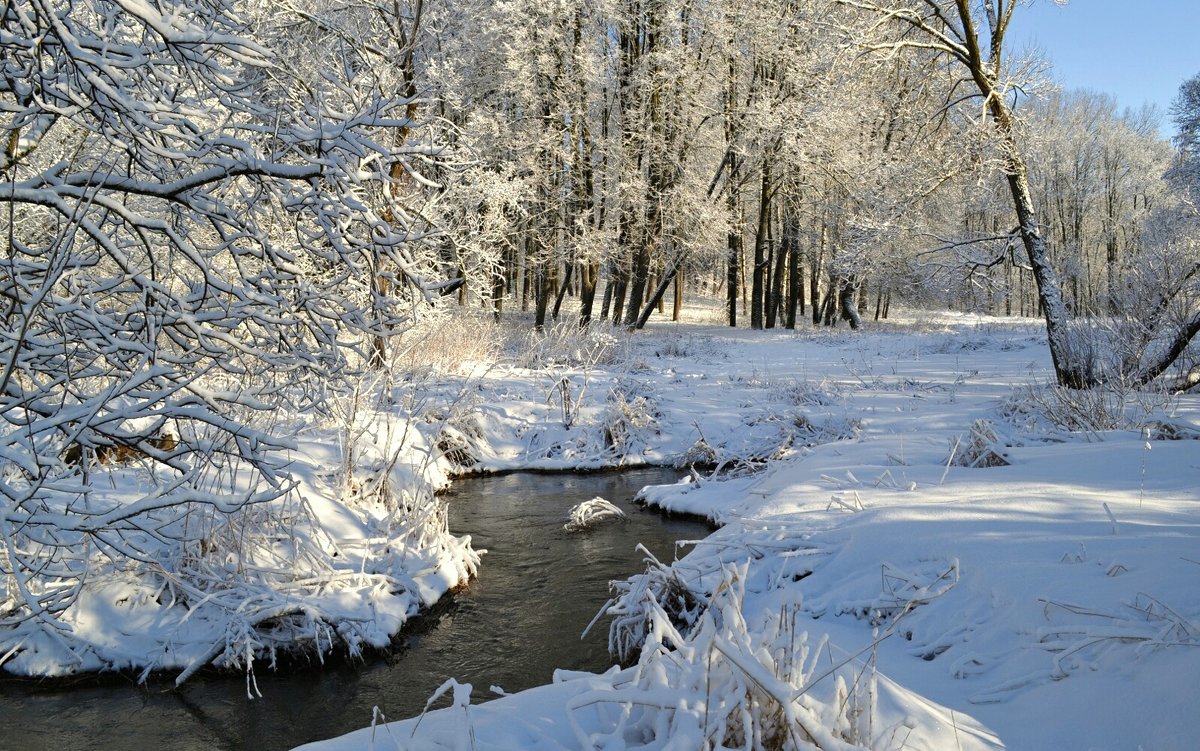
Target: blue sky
<point>1137,50</point>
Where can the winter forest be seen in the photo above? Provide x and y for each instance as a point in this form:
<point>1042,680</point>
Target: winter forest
<point>892,337</point>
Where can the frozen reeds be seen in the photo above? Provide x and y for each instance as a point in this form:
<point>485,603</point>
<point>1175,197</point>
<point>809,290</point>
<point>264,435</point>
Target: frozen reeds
<point>590,513</point>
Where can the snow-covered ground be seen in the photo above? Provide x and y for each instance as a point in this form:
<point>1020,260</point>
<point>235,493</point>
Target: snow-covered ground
<point>916,551</point>
<point>923,544</point>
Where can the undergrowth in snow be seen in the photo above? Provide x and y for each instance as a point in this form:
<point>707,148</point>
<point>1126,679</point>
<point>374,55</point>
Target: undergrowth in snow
<point>922,546</point>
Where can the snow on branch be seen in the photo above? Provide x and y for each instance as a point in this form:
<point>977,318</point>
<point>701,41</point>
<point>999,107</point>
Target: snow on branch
<point>195,235</point>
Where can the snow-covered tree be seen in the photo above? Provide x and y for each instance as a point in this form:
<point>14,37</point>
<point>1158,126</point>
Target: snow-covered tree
<point>193,235</point>
<point>1185,113</point>
<point>971,37</point>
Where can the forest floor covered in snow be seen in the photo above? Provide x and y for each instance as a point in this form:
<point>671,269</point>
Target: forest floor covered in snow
<point>923,543</point>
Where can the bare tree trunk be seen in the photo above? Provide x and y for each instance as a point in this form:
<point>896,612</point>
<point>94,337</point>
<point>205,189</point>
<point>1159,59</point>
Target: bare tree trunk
<point>609,287</point>
<point>775,298</point>
<point>732,266</point>
<point>757,294</point>
<point>847,306</point>
<point>659,290</point>
<point>1069,370</point>
<point>541,293</point>
<point>498,289</point>
<point>677,306</point>
<point>619,297</point>
<point>795,283</point>
<point>564,286</point>
<point>1179,343</point>
<point>638,278</point>
<point>590,272</point>
<point>733,262</point>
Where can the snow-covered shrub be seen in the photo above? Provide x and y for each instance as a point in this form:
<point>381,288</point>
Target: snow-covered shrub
<point>590,513</point>
<point>202,256</point>
<point>694,346</point>
<point>699,453</point>
<point>626,419</point>
<point>444,343</point>
<point>982,447</point>
<point>565,344</point>
<point>458,442</point>
<point>570,398</point>
<point>655,602</point>
<point>1046,410</point>
<point>714,676</point>
<point>806,393</point>
<point>675,346</point>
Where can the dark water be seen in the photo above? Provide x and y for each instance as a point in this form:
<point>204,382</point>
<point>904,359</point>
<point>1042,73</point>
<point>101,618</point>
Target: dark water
<point>538,588</point>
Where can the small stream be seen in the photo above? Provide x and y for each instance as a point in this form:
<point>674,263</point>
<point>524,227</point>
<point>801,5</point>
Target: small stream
<point>538,588</point>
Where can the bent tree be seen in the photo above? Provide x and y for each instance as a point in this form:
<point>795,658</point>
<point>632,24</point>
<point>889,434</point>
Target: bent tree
<point>183,250</point>
<point>952,28</point>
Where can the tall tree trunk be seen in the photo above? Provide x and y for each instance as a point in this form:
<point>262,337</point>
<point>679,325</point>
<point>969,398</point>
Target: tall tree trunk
<point>677,305</point>
<point>541,291</point>
<point>399,173</point>
<point>498,288</point>
<point>590,271</point>
<point>1069,371</point>
<point>795,283</point>
<point>659,290</point>
<point>757,293</point>
<point>609,288</point>
<point>621,285</point>
<point>814,278</point>
<point>775,298</point>
<point>847,306</point>
<point>1070,367</point>
<point>639,273</point>
<point>564,286</point>
<point>733,264</point>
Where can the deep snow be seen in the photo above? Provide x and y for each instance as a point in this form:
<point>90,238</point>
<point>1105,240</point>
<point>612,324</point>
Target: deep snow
<point>988,578</point>
<point>914,552</point>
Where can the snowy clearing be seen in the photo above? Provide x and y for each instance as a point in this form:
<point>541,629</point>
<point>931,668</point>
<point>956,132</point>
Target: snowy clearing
<point>926,561</point>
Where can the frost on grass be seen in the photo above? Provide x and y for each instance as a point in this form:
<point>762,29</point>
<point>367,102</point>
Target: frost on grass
<point>1054,413</point>
<point>681,590</point>
<point>982,447</point>
<point>1089,636</point>
<point>629,421</point>
<point>711,674</point>
<point>590,513</point>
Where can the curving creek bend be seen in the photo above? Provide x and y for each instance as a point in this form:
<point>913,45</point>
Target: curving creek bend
<point>538,588</point>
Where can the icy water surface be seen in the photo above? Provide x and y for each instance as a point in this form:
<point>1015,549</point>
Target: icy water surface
<point>538,588</point>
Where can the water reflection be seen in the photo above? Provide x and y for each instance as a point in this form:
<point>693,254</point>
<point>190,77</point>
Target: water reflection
<point>539,588</point>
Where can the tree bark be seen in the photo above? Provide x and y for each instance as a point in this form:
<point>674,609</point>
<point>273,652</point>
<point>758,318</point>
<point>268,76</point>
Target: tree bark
<point>659,290</point>
<point>795,283</point>
<point>587,291</point>
<point>848,308</point>
<point>757,291</point>
<point>775,298</point>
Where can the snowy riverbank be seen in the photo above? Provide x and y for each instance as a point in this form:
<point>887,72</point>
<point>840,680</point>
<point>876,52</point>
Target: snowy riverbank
<point>901,574</point>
